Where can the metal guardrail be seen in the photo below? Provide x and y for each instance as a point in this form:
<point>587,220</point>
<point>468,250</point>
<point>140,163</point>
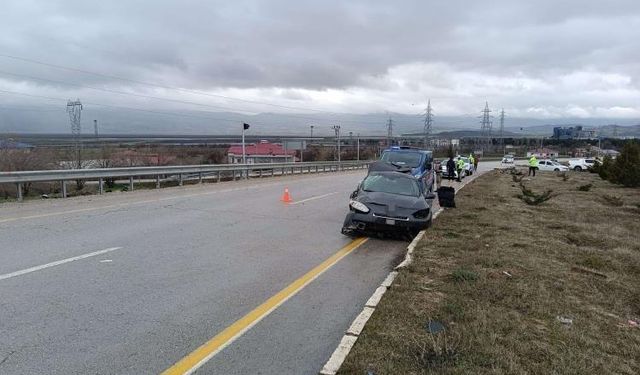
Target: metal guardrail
<point>183,173</point>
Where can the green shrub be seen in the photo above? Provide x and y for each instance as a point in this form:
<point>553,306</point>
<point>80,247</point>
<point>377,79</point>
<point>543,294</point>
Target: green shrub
<point>625,169</point>
<point>586,187</point>
<point>461,275</point>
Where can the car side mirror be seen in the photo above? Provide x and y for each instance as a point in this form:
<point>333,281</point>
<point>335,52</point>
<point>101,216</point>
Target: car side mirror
<point>354,194</point>
<point>430,196</point>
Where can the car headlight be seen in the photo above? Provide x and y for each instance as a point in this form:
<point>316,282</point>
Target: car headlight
<point>358,206</point>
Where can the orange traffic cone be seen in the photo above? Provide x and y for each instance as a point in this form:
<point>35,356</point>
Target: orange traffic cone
<point>286,198</point>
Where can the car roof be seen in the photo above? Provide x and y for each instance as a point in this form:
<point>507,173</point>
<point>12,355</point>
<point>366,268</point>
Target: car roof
<point>403,149</point>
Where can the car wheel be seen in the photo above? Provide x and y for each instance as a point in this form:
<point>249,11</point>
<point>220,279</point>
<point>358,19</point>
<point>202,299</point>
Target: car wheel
<point>577,169</point>
<point>557,170</point>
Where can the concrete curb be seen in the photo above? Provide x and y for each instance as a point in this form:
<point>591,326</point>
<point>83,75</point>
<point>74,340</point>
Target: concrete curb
<point>351,335</point>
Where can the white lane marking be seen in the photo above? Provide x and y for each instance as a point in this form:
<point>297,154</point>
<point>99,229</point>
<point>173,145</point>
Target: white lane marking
<point>56,263</point>
<point>314,198</point>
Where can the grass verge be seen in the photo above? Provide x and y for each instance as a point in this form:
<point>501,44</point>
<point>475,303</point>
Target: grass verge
<point>548,288</point>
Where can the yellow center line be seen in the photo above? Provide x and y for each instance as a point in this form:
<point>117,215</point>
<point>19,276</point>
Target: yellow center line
<point>208,350</point>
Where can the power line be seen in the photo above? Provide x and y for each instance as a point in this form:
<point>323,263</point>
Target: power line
<point>124,107</point>
<point>486,124</point>
<point>502,129</point>
<point>166,87</point>
<point>428,121</point>
<point>75,110</point>
<point>159,98</point>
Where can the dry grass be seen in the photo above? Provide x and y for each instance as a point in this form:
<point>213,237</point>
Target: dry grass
<point>498,273</point>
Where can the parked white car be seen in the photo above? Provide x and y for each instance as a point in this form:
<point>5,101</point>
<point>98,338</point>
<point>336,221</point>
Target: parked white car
<point>443,169</point>
<point>468,166</point>
<point>467,170</point>
<point>581,164</point>
<point>507,159</point>
<point>550,165</point>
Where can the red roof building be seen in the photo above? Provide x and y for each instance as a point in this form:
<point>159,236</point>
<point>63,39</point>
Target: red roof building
<point>263,152</point>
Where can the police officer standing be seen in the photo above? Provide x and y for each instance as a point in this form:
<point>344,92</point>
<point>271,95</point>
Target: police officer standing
<point>533,165</point>
<point>460,167</point>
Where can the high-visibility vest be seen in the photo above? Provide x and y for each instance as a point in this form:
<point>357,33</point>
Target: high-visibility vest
<point>460,163</point>
<point>533,162</point>
<point>472,159</point>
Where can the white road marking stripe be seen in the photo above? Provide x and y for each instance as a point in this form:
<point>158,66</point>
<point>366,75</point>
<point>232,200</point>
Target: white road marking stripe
<point>56,263</point>
<point>314,198</point>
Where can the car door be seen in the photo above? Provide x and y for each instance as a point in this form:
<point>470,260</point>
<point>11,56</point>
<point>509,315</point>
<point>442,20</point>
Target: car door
<point>543,165</point>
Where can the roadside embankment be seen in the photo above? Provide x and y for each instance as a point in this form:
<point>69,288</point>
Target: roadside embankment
<point>504,286</point>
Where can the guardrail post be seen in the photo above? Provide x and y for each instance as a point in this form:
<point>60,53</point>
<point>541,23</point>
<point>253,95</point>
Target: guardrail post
<point>100,185</point>
<point>259,173</point>
<point>19,189</point>
<point>218,176</point>
<point>272,172</point>
<point>180,179</point>
<point>63,185</point>
<point>200,177</point>
<point>130,183</point>
<point>157,181</point>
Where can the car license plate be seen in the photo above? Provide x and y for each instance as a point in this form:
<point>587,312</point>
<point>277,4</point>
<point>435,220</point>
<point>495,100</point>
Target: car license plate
<point>391,222</point>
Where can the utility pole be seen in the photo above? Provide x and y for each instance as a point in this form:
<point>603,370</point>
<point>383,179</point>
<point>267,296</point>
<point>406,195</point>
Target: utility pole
<point>336,129</point>
<point>75,110</point>
<point>389,132</point>
<point>486,125</point>
<point>358,143</point>
<point>502,131</point>
<point>245,126</point>
<point>428,121</point>
<point>311,131</point>
<point>615,131</point>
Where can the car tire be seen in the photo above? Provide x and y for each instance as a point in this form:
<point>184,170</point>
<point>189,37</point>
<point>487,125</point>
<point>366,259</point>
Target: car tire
<point>556,170</point>
<point>578,169</point>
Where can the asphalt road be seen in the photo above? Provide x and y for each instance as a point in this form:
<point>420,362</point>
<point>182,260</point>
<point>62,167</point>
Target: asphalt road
<point>131,283</point>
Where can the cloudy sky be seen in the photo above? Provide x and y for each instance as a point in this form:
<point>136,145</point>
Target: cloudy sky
<point>541,59</point>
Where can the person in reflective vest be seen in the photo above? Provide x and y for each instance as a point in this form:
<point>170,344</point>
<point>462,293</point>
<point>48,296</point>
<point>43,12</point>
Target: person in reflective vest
<point>472,161</point>
<point>460,167</point>
<point>533,165</point>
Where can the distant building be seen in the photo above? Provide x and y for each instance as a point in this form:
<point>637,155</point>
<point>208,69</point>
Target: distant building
<point>574,132</point>
<point>10,144</point>
<point>543,153</point>
<point>263,152</point>
<point>444,142</point>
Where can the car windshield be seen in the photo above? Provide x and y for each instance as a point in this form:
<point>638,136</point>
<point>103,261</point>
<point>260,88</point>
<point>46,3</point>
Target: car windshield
<point>393,184</point>
<point>405,159</point>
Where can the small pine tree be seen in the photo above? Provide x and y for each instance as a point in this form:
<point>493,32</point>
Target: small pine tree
<point>626,168</point>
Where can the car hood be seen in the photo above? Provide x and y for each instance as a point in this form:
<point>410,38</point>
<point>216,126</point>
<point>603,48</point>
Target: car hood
<point>392,205</point>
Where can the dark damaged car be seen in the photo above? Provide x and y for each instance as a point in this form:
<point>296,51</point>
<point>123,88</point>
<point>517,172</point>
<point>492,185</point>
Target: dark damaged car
<point>388,202</point>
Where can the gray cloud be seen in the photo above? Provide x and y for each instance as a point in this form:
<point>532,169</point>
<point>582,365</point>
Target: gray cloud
<point>523,54</point>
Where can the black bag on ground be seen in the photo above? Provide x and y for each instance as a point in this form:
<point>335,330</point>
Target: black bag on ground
<point>446,196</point>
